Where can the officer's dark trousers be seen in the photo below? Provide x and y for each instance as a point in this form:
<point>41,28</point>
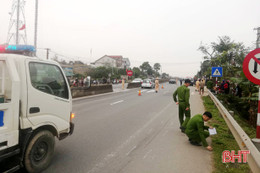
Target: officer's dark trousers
<point>196,137</point>
<point>182,111</point>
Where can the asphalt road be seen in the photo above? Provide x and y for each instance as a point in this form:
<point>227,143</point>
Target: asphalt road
<point>122,132</point>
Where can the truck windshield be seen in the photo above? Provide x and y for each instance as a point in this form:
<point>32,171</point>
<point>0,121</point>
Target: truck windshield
<point>48,78</point>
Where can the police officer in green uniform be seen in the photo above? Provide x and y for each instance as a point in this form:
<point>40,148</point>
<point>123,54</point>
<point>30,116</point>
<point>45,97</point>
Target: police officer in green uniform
<point>197,132</point>
<point>183,93</point>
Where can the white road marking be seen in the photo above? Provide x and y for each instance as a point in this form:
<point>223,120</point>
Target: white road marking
<point>131,150</point>
<point>116,102</point>
<point>150,91</point>
<point>147,154</point>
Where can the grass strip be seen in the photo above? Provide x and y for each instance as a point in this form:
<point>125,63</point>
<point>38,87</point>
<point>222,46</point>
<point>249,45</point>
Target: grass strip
<point>224,140</point>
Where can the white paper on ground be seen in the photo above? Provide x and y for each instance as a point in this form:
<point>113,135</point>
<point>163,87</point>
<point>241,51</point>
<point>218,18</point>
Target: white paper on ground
<point>212,131</point>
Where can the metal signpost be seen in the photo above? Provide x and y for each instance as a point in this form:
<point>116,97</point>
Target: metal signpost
<point>216,72</point>
<point>251,70</point>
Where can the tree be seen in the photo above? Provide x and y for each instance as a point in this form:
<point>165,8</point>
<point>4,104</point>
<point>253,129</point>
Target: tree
<point>230,55</point>
<point>136,72</point>
<point>224,53</point>
<point>157,67</point>
<point>146,68</point>
<point>165,75</point>
<point>99,72</point>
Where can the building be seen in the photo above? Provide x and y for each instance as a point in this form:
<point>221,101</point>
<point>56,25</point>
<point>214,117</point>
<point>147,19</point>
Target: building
<point>112,61</point>
<point>126,63</point>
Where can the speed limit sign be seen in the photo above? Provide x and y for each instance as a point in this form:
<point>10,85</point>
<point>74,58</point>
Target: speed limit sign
<point>251,66</point>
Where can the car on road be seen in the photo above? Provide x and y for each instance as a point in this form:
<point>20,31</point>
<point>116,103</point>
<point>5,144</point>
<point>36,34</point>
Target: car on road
<point>137,80</point>
<point>148,83</point>
<point>172,81</point>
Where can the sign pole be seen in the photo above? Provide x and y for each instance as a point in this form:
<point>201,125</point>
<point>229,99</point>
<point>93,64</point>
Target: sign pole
<point>257,139</point>
<point>250,64</point>
<point>216,85</point>
<point>258,111</point>
<point>258,117</point>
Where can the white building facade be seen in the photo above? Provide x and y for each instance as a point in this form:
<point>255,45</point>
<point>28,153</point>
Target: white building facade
<point>113,61</point>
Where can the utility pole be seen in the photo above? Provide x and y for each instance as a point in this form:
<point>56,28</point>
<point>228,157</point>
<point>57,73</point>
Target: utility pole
<point>36,25</point>
<point>17,27</point>
<point>17,22</point>
<point>258,37</point>
<point>48,53</point>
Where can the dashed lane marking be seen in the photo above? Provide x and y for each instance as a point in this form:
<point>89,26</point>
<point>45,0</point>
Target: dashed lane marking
<point>116,102</point>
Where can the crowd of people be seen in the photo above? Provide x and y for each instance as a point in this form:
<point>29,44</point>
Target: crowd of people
<point>226,87</point>
<point>80,82</point>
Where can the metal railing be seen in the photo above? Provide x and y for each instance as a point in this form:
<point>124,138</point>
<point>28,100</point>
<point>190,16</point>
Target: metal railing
<point>241,137</point>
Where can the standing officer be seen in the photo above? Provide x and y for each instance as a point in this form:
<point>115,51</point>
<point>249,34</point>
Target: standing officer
<point>157,85</point>
<point>197,132</point>
<point>183,93</point>
<point>123,83</point>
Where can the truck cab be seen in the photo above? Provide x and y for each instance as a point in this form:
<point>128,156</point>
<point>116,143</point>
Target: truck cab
<point>35,107</point>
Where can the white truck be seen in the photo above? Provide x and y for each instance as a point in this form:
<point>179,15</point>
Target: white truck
<point>35,106</point>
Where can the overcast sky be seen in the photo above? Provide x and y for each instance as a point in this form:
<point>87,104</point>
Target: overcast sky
<point>165,31</point>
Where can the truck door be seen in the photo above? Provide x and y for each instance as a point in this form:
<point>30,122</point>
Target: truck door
<point>9,104</point>
<point>49,99</point>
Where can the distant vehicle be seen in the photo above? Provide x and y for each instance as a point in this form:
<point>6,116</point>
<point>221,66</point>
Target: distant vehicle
<point>148,83</point>
<point>172,81</point>
<point>137,80</point>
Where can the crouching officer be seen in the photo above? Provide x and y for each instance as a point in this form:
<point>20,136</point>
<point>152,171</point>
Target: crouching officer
<point>183,93</point>
<point>197,132</point>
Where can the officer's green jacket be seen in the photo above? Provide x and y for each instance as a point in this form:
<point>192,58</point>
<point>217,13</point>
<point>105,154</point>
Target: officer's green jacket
<point>183,93</point>
<point>195,128</point>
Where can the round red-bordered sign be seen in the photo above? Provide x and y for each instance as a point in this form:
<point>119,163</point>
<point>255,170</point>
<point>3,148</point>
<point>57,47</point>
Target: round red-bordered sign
<point>129,73</point>
<point>251,66</point>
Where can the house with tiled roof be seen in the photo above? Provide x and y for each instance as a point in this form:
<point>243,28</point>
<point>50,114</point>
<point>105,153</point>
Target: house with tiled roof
<point>113,61</point>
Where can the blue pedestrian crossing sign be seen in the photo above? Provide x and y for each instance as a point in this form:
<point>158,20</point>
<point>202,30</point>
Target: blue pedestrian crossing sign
<point>216,71</point>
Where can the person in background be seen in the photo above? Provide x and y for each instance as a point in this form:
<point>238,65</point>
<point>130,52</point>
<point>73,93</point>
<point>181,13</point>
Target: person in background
<point>183,93</point>
<point>156,85</point>
<point>82,82</point>
<point>202,84</point>
<point>222,86</point>
<point>123,83</point>
<point>197,132</point>
<point>238,91</point>
<point>226,87</point>
<point>198,85</point>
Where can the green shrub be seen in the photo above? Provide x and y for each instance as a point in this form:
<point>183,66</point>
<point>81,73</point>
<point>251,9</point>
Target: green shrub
<point>210,85</point>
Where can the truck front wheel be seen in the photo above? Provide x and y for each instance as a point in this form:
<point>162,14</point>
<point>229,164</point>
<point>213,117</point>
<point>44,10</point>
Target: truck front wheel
<point>39,152</point>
